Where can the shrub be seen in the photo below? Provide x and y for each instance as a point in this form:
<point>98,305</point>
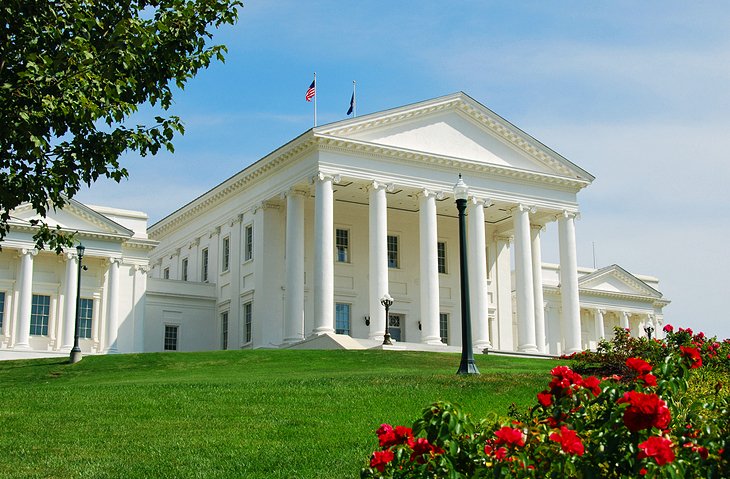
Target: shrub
<point>638,421</point>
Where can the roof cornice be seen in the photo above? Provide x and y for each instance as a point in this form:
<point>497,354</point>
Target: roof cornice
<point>614,295</point>
<point>14,225</point>
<point>266,165</point>
<point>403,154</point>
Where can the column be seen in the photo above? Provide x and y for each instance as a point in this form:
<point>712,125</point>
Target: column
<point>504,295</point>
<point>625,320</point>
<point>235,323</point>
<point>659,324</point>
<point>294,303</point>
<point>69,316</point>
<point>553,333</point>
<point>324,267</point>
<point>600,330</point>
<point>378,258</point>
<point>569,282</point>
<point>524,281</point>
<point>536,249</point>
<point>478,272</point>
<point>26,298</point>
<point>175,264</point>
<point>214,260</point>
<point>268,318</point>
<point>429,276</point>
<point>194,260</point>
<point>112,314</point>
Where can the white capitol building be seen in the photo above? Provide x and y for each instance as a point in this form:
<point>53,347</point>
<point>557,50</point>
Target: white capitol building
<point>297,249</point>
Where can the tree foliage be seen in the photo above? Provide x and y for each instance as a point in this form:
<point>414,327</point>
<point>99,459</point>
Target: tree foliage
<point>71,74</point>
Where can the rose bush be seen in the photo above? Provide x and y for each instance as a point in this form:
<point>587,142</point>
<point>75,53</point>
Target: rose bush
<point>637,420</point>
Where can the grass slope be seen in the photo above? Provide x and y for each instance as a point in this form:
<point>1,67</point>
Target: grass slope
<point>246,414</point>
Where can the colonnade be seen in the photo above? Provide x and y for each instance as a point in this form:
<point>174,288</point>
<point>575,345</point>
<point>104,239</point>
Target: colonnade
<point>21,326</point>
<point>646,320</point>
<point>530,314</point>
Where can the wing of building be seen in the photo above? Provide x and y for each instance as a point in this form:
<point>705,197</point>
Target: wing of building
<point>299,248</point>
<point>38,289</point>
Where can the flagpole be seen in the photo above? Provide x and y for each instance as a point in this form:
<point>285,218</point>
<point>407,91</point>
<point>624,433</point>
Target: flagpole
<point>315,99</point>
<point>354,96</point>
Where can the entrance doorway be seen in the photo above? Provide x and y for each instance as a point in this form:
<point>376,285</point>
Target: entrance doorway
<point>394,326</point>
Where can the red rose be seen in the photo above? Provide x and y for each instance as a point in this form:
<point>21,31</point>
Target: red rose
<point>569,441</point>
<point>500,453</point>
<point>545,398</point>
<point>639,365</point>
<point>644,411</point>
<point>593,384</point>
<point>668,328</point>
<point>403,433</point>
<point>649,379</point>
<point>420,447</point>
<point>657,447</point>
<point>511,436</point>
<point>693,354</point>
<point>380,459</point>
<point>387,436</point>
<point>703,452</point>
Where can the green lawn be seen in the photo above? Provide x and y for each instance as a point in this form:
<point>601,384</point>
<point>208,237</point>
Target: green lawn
<point>246,414</point>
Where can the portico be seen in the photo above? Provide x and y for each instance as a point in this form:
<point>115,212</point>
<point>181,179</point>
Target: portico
<point>350,211</point>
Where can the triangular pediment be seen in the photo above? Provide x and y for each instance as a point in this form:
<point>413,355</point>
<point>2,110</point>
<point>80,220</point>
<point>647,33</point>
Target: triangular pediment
<point>455,126</point>
<point>615,279</point>
<point>75,216</point>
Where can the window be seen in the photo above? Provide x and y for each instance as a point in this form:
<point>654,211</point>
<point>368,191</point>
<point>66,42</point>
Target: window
<point>204,266</point>
<point>342,244</point>
<point>171,337</point>
<point>342,318</point>
<point>166,273</point>
<point>247,317</point>
<point>441,252</point>
<point>39,313</point>
<point>248,243</point>
<point>184,275</point>
<point>2,307</point>
<point>226,253</point>
<point>444,327</point>
<point>224,330</point>
<point>86,313</point>
<point>393,252</point>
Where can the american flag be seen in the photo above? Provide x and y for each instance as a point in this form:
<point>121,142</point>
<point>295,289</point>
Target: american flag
<point>311,91</point>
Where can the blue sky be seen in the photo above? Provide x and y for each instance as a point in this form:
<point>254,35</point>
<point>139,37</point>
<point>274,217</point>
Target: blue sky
<point>634,92</point>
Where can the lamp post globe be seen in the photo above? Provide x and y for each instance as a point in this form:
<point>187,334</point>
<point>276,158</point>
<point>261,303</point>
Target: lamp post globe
<point>467,365</point>
<point>76,350</point>
<point>387,302</point>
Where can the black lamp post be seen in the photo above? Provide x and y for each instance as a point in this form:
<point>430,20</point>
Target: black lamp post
<point>467,366</point>
<point>649,329</point>
<point>76,350</point>
<point>386,301</point>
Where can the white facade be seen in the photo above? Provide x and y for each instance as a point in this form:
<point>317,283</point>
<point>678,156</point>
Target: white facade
<point>306,241</point>
<point>38,289</point>
<point>298,249</point>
